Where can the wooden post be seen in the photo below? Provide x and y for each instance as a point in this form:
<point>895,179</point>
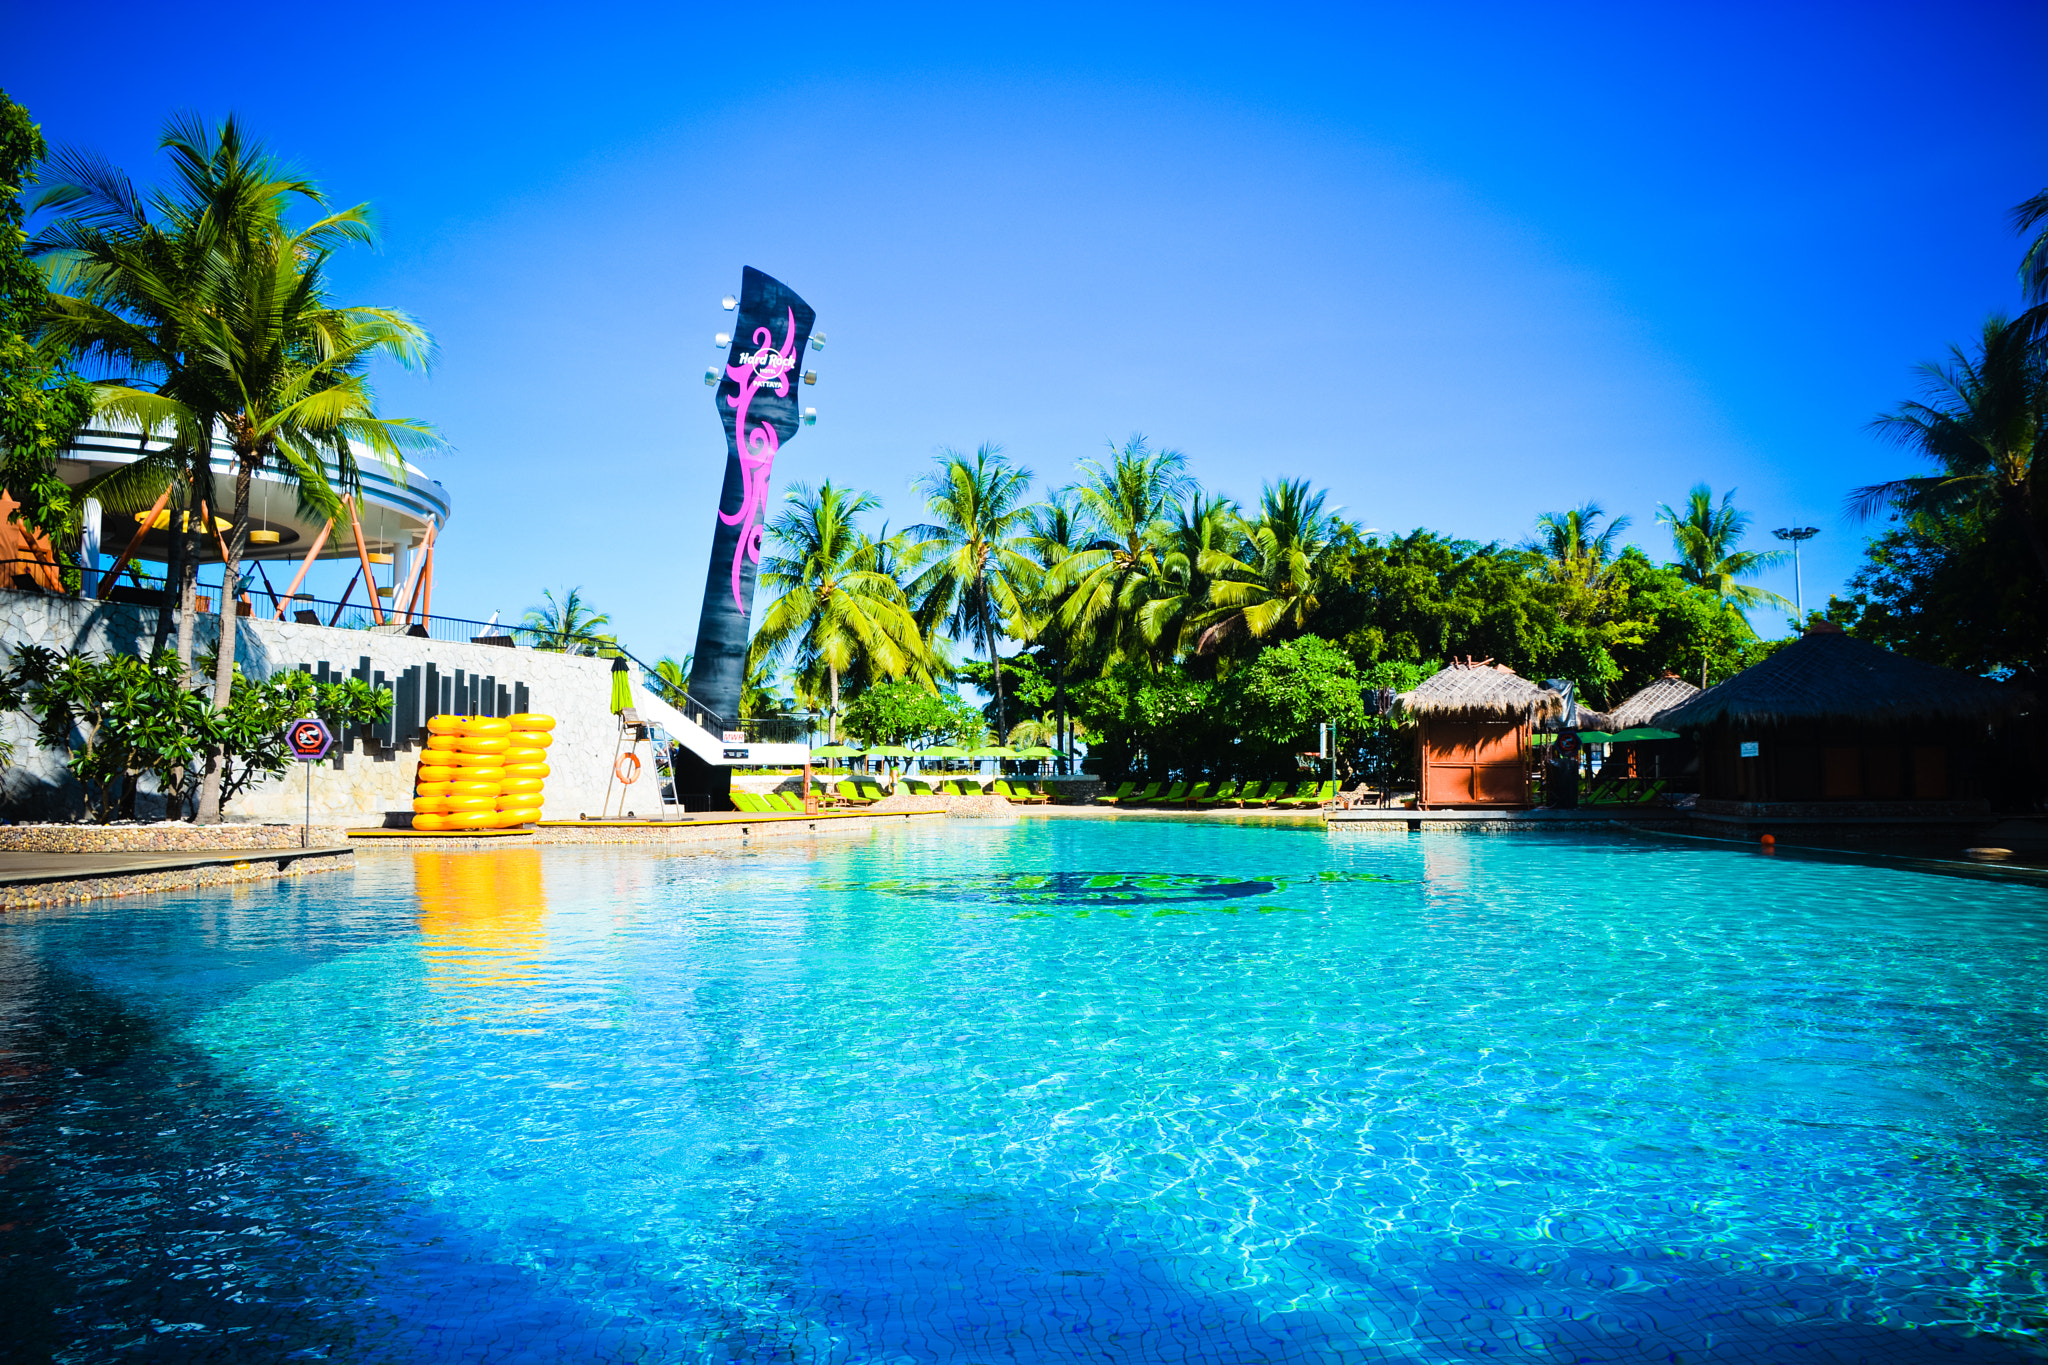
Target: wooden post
<point>427,592</point>
<point>412,588</point>
<point>134,543</point>
<point>363,553</point>
<point>319,544</point>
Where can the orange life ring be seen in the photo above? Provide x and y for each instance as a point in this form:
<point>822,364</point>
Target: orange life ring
<point>619,770</point>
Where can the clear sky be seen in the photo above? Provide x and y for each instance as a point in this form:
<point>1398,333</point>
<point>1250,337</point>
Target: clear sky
<point>1461,264</point>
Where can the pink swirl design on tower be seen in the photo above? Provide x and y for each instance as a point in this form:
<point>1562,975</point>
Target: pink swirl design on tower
<point>768,366</point>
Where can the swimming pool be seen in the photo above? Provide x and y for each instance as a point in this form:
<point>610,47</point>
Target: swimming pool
<point>1040,1091</point>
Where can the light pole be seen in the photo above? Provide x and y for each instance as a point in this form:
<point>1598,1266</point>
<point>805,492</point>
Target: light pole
<point>1796,534</point>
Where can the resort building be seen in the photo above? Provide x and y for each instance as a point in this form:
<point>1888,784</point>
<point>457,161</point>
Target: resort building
<point>1832,728</point>
<point>1472,723</point>
<point>1632,754</point>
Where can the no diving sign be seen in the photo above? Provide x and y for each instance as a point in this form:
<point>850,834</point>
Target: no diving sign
<point>309,738</point>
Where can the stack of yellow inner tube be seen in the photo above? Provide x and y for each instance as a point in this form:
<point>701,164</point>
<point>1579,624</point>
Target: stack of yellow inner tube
<point>482,772</point>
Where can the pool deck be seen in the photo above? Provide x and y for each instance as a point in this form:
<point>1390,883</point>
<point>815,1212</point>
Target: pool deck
<point>28,880</point>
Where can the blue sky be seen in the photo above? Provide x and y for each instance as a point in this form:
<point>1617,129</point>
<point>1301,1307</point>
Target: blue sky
<point>1459,264</point>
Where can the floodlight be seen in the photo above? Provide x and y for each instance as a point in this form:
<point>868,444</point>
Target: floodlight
<point>722,340</point>
<point>710,376</point>
<point>728,303</point>
<point>810,417</point>
<point>810,376</point>
<point>817,341</point>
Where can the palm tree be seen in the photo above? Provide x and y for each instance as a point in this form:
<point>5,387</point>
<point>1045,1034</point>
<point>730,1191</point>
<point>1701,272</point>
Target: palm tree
<point>1054,529</point>
<point>1105,585</point>
<point>670,680</point>
<point>835,608</point>
<point>1706,537</point>
<point>265,359</point>
<point>976,571</point>
<point>567,625</point>
<point>1575,552</point>
<point>1980,427</point>
<point>1207,526</point>
<point>1293,548</point>
<point>2034,264</point>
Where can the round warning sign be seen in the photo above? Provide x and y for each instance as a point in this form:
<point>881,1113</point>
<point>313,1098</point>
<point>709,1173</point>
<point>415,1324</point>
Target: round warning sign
<point>310,739</point>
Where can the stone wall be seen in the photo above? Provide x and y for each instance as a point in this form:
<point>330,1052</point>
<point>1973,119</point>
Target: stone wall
<point>371,776</point>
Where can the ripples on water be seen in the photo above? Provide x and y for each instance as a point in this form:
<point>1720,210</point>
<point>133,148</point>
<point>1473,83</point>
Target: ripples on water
<point>1066,1091</point>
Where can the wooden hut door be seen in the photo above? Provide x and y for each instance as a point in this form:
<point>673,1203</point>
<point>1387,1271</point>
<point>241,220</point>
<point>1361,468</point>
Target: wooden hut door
<point>1474,763</point>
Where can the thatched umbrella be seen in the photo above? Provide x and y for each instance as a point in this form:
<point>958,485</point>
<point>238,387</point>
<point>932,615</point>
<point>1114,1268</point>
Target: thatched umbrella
<point>1479,691</point>
<point>1827,676</point>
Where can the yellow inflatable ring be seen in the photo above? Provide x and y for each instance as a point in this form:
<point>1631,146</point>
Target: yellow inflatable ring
<point>435,789</point>
<point>472,789</point>
<point>519,784</point>
<point>434,772</point>
<point>431,805</point>
<point>477,802</point>
<point>528,721</point>
<point>513,770</point>
<point>486,725</point>
<point>512,756</point>
<point>472,819</point>
<point>465,759</point>
<point>430,822</point>
<point>534,739</point>
<point>482,744</point>
<point>443,725</point>
<point>528,816</point>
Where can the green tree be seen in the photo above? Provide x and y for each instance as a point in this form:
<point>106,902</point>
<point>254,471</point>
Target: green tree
<point>975,569</point>
<point>1293,551</point>
<point>1055,528</point>
<point>835,609</point>
<point>42,405</point>
<point>903,712</point>
<point>568,625</point>
<point>1980,428</point>
<point>2032,216</point>
<point>1206,530</point>
<point>1706,537</point>
<point>670,679</point>
<point>1289,689</point>
<point>1103,587</point>
<point>1152,718</point>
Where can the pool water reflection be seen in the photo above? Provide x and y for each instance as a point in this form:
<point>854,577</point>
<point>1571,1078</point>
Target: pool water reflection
<point>1042,1091</point>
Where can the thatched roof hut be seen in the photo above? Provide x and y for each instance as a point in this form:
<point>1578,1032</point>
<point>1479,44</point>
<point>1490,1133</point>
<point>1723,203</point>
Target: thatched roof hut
<point>1479,692</point>
<point>1829,719</point>
<point>1649,706</point>
<point>1472,734</point>
<point>1828,676</point>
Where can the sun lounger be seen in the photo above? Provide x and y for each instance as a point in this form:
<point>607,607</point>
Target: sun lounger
<point>1121,792</point>
<point>1312,794</point>
<point>850,792</point>
<point>1172,796</point>
<point>916,786</point>
<point>1016,791</point>
<point>1223,796</point>
<point>1275,791</point>
<point>1251,794</point>
<point>1144,797</point>
<point>960,786</point>
<point>1197,793</point>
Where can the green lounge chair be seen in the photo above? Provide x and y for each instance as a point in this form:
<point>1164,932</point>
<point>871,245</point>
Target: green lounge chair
<point>747,803</point>
<point>1198,793</point>
<point>1312,794</point>
<point>1250,793</point>
<point>1172,796</point>
<point>1144,797</point>
<point>1223,795</point>
<point>917,786</point>
<point>1017,791</point>
<point>1121,792</point>
<point>1276,792</point>
<point>850,792</point>
<point>869,789</point>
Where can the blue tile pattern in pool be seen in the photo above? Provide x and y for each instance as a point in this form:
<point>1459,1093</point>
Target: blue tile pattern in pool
<point>1050,1091</point>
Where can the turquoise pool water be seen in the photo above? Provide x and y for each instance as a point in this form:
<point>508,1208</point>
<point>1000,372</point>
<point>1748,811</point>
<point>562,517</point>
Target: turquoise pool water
<point>1050,1091</point>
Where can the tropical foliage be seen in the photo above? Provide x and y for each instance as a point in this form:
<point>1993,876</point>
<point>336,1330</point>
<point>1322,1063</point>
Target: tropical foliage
<point>569,625</point>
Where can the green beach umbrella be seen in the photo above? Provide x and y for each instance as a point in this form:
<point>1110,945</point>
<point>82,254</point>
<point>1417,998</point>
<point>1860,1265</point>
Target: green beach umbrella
<point>993,751</point>
<point>622,686</point>
<point>1038,751</point>
<point>943,751</point>
<point>1640,733</point>
<point>1595,737</point>
<point>836,751</point>
<point>889,751</point>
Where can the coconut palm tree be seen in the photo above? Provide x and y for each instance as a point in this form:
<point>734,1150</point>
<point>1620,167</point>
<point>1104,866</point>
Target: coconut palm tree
<point>1706,537</point>
<point>835,609</point>
<point>263,357</point>
<point>1574,550</point>
<point>1104,586</point>
<point>976,572</point>
<point>1054,529</point>
<point>670,680</point>
<point>1980,426</point>
<point>1288,560</point>
<point>1207,525</point>
<point>568,625</point>
<point>2031,215</point>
